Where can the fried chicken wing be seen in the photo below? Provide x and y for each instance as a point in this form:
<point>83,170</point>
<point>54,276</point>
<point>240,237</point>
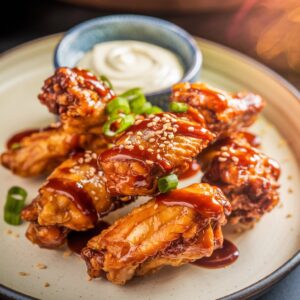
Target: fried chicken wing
<point>73,197</point>
<point>246,176</point>
<point>173,229</point>
<point>222,113</point>
<point>41,151</point>
<point>78,97</point>
<point>153,147</point>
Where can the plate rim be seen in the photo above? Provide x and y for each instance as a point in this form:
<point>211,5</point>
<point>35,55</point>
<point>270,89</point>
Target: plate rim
<point>254,290</point>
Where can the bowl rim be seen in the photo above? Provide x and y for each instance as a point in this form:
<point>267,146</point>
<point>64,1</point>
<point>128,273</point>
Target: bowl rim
<point>192,70</point>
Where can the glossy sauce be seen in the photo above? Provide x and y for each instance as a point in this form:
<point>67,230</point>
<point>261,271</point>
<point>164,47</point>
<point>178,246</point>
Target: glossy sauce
<point>77,240</point>
<point>220,258</point>
<point>93,83</point>
<point>183,129</point>
<point>194,168</point>
<point>76,194</point>
<point>201,197</point>
<point>17,138</point>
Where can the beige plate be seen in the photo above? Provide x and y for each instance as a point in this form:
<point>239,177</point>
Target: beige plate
<point>273,242</point>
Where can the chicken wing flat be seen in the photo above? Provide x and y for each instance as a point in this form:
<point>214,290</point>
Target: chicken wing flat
<point>222,113</point>
<point>247,177</point>
<point>78,97</point>
<point>41,151</point>
<point>172,229</point>
<point>153,147</point>
<point>73,198</point>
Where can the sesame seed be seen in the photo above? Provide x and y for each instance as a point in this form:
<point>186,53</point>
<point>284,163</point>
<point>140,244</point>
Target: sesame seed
<point>171,136</point>
<point>149,162</point>
<point>150,124</point>
<point>174,129</point>
<point>158,156</point>
<point>41,266</point>
<point>136,123</point>
<point>139,133</point>
<point>191,129</point>
<point>152,140</point>
<point>94,155</point>
<point>161,146</point>
<point>141,147</point>
<point>150,150</point>
<point>222,159</point>
<point>80,160</point>
<point>235,159</point>
<point>225,154</point>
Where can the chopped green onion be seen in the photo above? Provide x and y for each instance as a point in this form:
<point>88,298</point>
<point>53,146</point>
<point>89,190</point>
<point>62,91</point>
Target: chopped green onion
<point>15,201</point>
<point>122,122</point>
<point>106,81</point>
<point>137,104</point>
<point>132,93</point>
<point>153,110</point>
<point>15,146</point>
<point>167,183</point>
<point>118,105</point>
<point>178,107</point>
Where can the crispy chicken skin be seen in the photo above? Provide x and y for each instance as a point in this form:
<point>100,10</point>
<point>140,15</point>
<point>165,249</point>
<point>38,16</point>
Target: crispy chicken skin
<point>246,176</point>
<point>78,97</point>
<point>151,148</point>
<point>39,152</point>
<point>42,151</point>
<point>222,113</point>
<point>173,229</point>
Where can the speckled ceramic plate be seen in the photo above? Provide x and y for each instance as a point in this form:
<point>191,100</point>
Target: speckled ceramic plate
<point>267,252</point>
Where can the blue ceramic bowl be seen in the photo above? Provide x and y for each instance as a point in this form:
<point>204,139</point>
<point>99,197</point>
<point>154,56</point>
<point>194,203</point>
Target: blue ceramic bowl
<point>84,36</point>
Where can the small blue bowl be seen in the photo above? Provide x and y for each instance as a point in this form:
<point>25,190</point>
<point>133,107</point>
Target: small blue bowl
<point>81,39</point>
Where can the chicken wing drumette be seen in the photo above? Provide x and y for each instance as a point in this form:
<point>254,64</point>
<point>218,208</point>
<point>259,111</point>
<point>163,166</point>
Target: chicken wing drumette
<point>78,97</point>
<point>222,113</point>
<point>80,100</point>
<point>172,229</point>
<point>247,177</point>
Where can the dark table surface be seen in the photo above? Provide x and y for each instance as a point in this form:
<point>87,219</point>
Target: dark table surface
<point>27,20</point>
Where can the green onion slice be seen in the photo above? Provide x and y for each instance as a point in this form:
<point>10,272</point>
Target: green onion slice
<point>15,202</point>
<point>167,183</point>
<point>178,107</point>
<point>118,105</point>
<point>153,110</point>
<point>122,123</point>
<point>137,104</point>
<point>106,81</point>
<point>132,94</point>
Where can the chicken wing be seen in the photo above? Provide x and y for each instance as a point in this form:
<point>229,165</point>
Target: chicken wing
<point>172,229</point>
<point>80,100</point>
<point>222,113</point>
<point>153,147</point>
<point>246,176</point>
<point>78,97</point>
<point>73,197</point>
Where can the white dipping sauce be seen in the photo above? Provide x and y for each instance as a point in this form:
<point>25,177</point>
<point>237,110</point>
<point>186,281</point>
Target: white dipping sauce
<point>129,64</point>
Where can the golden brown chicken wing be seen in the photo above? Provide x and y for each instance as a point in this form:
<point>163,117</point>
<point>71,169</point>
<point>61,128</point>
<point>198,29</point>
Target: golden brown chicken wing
<point>246,176</point>
<point>173,229</point>
<point>78,97</point>
<point>221,112</point>
<point>40,151</point>
<point>153,147</point>
<point>74,196</point>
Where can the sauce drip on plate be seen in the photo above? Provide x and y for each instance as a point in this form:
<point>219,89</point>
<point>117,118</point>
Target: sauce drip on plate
<point>220,258</point>
<point>77,240</point>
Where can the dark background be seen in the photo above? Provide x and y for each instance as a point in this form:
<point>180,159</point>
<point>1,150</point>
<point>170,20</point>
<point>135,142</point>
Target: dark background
<point>21,21</point>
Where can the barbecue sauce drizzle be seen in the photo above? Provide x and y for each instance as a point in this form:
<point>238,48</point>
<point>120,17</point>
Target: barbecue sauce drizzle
<point>76,194</point>
<point>183,128</point>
